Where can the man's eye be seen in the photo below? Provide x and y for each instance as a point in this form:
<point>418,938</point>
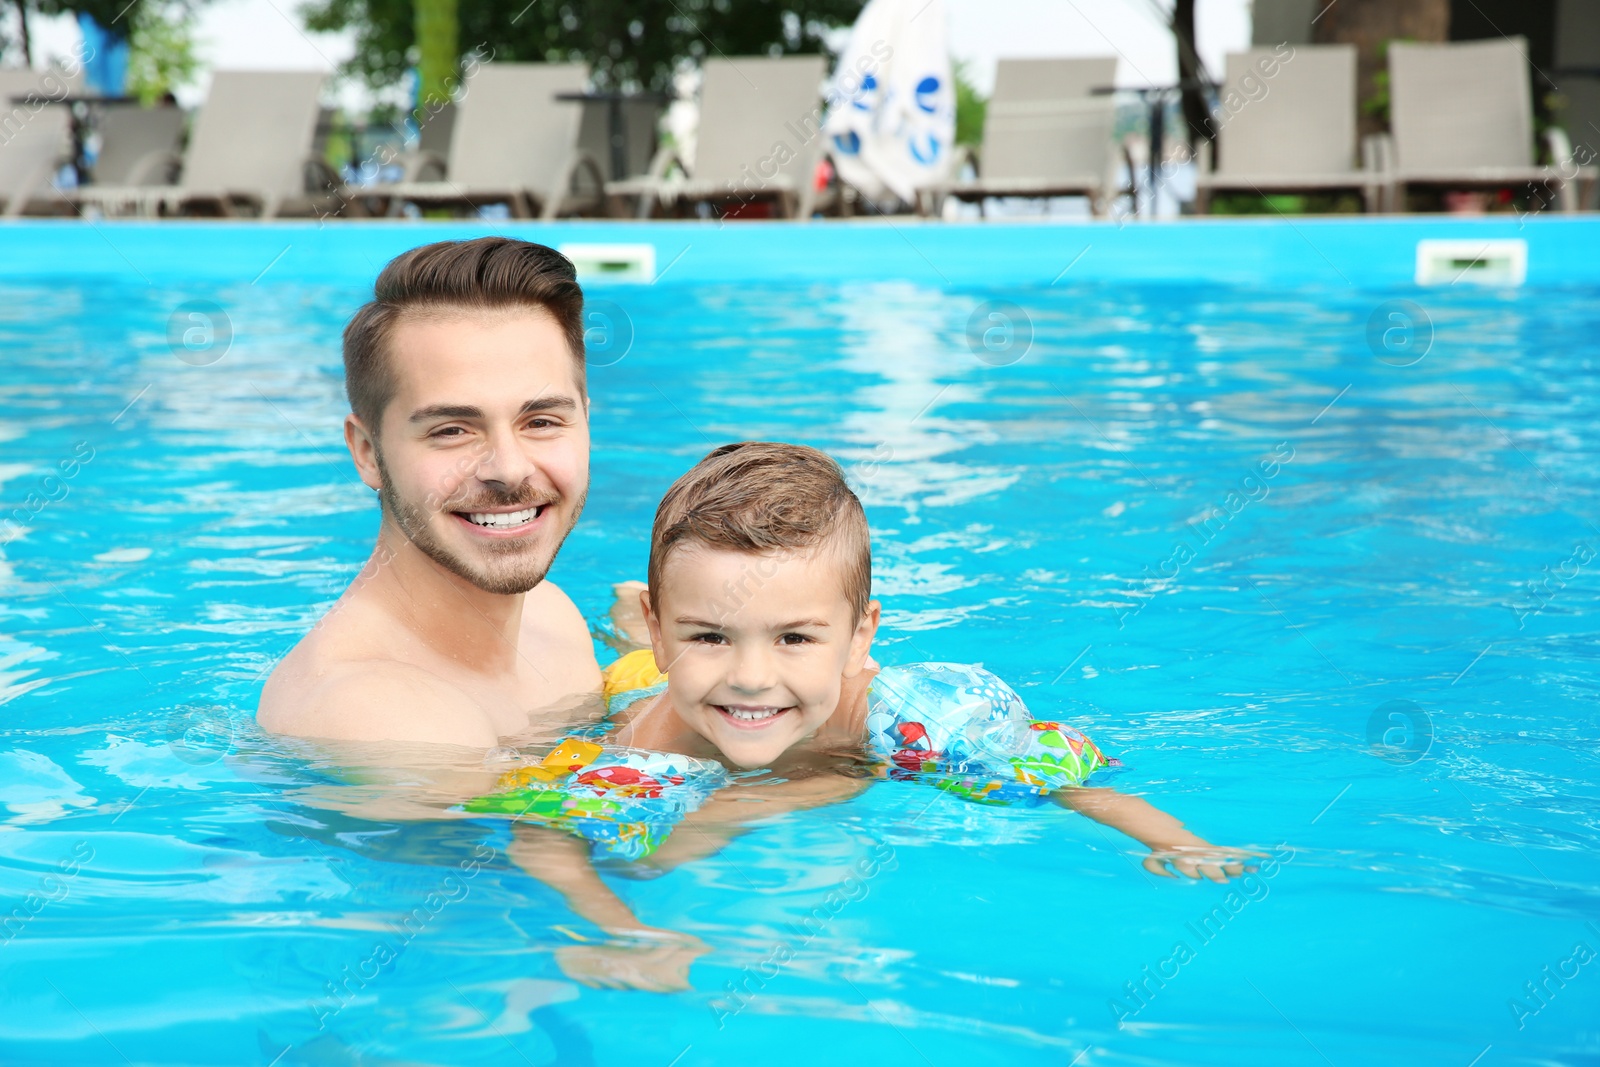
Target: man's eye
<point>541,424</point>
<point>448,431</point>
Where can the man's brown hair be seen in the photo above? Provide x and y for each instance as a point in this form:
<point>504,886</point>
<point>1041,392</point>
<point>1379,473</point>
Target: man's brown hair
<point>487,273</point>
<point>759,497</point>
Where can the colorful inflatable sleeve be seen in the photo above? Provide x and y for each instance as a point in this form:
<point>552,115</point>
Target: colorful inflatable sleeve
<point>969,733</point>
<point>625,801</point>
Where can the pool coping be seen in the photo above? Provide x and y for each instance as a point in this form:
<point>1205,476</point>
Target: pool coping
<point>1360,253</point>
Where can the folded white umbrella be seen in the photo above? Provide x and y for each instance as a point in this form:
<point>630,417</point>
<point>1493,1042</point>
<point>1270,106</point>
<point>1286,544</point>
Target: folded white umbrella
<point>891,120</point>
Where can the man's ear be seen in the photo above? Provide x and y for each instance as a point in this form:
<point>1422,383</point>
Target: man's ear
<point>364,450</point>
<point>861,640</point>
<point>657,645</point>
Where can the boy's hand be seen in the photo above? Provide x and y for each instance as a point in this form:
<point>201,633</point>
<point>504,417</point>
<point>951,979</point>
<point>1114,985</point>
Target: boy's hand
<point>656,961</point>
<point>1200,861</point>
<point>627,618</point>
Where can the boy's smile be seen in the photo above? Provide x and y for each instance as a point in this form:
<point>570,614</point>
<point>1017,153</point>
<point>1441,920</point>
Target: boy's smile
<point>756,647</point>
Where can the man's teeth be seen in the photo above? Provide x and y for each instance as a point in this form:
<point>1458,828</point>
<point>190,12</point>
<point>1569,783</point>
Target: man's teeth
<point>751,714</point>
<point>505,519</point>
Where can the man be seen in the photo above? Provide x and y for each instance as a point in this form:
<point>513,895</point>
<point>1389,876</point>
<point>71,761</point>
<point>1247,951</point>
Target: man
<point>470,419</point>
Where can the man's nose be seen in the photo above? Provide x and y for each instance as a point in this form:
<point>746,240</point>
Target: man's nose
<point>502,461</point>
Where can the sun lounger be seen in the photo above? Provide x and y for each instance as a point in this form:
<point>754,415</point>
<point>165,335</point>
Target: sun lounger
<point>1052,79</point>
<point>1461,117</point>
<point>250,145</point>
<point>511,142</point>
<point>1044,135</point>
<point>1288,125</point>
<point>138,145</point>
<point>759,139</point>
<point>35,138</point>
<point>33,146</point>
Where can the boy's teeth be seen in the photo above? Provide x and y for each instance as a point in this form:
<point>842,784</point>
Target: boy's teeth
<point>505,519</point>
<point>751,714</point>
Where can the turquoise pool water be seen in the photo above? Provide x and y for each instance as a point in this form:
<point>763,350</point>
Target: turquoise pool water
<point>1375,662</point>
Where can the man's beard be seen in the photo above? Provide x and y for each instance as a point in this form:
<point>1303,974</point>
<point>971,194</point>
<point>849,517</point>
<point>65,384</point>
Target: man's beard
<point>511,568</point>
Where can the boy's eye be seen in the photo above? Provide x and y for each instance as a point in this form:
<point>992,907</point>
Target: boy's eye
<point>708,639</point>
<point>795,639</point>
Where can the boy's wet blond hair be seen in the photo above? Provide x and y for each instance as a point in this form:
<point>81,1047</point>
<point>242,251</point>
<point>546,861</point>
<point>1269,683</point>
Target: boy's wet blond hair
<point>760,497</point>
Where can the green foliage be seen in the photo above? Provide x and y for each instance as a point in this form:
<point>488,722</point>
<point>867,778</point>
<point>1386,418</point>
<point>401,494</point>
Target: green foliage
<point>628,44</point>
<point>161,55</point>
<point>438,48</point>
<point>971,109</point>
<point>1278,204</point>
<point>108,13</point>
<point>1377,102</point>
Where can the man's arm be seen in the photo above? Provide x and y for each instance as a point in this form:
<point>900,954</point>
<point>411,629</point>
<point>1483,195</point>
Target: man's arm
<point>384,700</point>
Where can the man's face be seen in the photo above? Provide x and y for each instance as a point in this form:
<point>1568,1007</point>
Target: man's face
<point>483,454</point>
<point>756,647</point>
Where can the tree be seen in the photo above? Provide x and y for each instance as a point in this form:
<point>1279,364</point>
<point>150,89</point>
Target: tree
<point>1370,25</point>
<point>629,44</point>
<point>438,34</point>
<point>1192,76</point>
<point>161,52</point>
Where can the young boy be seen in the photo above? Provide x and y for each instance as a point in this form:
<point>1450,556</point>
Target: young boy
<point>760,624</point>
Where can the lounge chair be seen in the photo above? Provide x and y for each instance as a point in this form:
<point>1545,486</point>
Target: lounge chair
<point>1052,79</point>
<point>138,145</point>
<point>250,146</point>
<point>511,142</point>
<point>759,139</point>
<point>31,151</point>
<point>1290,131</point>
<point>1044,135</point>
<point>1461,117</point>
<point>35,139</point>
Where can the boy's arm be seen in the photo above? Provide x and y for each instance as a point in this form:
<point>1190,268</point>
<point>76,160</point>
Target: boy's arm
<point>1162,834</point>
<point>657,960</point>
<point>562,863</point>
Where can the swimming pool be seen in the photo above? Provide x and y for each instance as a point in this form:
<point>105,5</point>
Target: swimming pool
<point>1375,662</point>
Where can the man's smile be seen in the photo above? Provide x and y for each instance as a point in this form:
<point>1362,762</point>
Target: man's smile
<point>502,522</point>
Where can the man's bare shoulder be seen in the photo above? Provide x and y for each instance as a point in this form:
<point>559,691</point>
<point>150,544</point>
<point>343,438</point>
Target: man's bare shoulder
<point>374,700</point>
<point>560,636</point>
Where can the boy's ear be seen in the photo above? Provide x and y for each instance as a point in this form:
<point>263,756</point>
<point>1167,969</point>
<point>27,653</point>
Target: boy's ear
<point>861,640</point>
<point>657,646</point>
<point>364,450</point>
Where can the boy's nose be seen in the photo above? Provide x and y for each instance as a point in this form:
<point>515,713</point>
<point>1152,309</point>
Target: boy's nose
<point>752,672</point>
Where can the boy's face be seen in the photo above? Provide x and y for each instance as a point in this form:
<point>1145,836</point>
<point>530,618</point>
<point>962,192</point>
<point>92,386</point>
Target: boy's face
<point>756,647</point>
